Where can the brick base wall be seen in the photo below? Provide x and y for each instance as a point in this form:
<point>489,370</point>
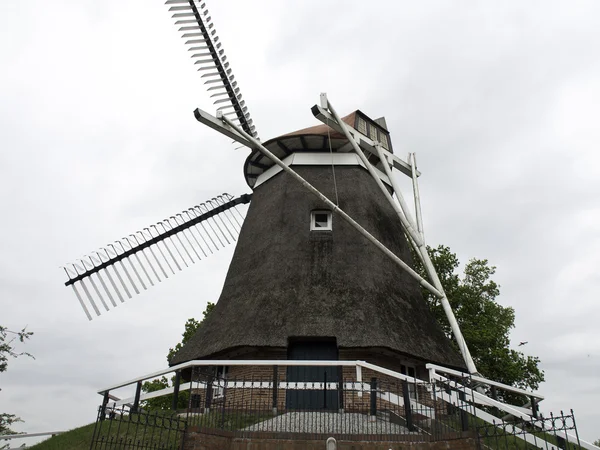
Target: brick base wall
<point>226,441</point>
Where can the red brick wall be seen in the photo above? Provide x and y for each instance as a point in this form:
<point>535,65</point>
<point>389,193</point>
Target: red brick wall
<point>226,441</point>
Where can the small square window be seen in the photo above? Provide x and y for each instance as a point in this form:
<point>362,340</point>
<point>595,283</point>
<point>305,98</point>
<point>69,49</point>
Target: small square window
<point>320,220</point>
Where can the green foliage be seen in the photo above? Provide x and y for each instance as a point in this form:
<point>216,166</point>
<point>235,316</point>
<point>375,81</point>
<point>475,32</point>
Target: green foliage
<point>484,323</point>
<point>7,345</point>
<point>8,349</point>
<point>165,402</point>
<point>596,442</point>
<point>191,326</point>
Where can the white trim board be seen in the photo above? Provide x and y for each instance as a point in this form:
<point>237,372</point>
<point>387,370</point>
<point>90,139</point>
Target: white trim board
<point>317,159</point>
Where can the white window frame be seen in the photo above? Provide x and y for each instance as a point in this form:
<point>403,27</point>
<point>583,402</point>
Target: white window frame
<point>313,215</point>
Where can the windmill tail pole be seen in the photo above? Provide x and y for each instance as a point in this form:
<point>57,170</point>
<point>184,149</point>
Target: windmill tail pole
<point>404,215</point>
<point>256,144</point>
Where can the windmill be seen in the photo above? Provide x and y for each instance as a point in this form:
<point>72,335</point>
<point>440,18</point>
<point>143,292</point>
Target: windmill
<point>322,266</point>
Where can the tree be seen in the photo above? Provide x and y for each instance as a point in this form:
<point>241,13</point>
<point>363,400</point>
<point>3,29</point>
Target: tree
<point>597,442</point>
<point>165,402</point>
<point>484,323</point>
<point>8,341</point>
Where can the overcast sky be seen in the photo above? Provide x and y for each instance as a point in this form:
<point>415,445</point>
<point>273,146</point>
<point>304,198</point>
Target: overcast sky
<point>500,101</point>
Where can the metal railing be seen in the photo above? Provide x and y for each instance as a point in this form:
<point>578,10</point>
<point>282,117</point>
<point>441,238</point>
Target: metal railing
<point>126,428</point>
<point>378,409</point>
<point>450,405</point>
<point>543,432</point>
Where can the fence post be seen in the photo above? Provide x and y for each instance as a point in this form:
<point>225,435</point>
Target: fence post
<point>176,390</point>
<point>373,410</point>
<point>275,387</point>
<point>407,408</point>
<point>136,402</point>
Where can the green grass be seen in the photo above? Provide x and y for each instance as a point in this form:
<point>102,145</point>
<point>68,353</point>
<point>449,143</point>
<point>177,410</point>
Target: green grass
<point>76,439</point>
<point>119,433</point>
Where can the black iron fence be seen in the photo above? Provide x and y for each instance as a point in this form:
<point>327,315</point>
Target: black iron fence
<point>538,433</point>
<point>315,403</point>
<point>377,409</point>
<point>125,428</point>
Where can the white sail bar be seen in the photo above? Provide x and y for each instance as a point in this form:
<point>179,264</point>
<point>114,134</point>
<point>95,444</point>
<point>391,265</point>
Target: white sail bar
<point>409,226</point>
<point>136,262</point>
<point>200,36</point>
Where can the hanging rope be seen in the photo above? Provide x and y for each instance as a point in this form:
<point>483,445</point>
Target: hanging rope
<point>337,200</point>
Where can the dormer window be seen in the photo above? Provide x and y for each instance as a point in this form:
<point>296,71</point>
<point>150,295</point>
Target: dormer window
<point>373,130</point>
<point>320,220</point>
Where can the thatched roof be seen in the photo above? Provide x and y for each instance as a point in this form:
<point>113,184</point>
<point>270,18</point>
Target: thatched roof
<point>285,281</point>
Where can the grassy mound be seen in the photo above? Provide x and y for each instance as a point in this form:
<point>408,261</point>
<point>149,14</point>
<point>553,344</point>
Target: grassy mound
<point>160,430</point>
<point>76,439</point>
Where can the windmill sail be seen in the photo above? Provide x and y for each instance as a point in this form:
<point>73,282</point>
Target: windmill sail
<point>201,37</point>
<point>136,262</point>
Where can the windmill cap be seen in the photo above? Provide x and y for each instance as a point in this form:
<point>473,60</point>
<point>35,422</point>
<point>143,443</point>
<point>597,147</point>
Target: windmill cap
<point>318,138</point>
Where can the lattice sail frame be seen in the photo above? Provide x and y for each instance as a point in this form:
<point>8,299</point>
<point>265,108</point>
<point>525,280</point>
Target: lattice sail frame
<point>187,237</point>
<point>201,37</point>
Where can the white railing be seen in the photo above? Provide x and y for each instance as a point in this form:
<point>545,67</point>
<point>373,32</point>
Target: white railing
<point>358,365</point>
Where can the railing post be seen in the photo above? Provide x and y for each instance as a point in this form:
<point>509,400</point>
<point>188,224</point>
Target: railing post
<point>341,388</point>
<point>449,407</point>
<point>434,423</point>
<point>325,389</point>
<point>534,407</point>
<point>359,380</point>
<point>407,408</point>
<point>373,409</point>
<point>176,390</point>
<point>209,394</point>
<point>103,408</point>
<point>464,417</point>
<point>275,388</point>
<point>494,392</point>
<point>136,402</point>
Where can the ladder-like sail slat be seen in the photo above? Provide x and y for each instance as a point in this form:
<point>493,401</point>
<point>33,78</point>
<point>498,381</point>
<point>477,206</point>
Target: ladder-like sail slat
<point>172,234</point>
<point>200,28</point>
